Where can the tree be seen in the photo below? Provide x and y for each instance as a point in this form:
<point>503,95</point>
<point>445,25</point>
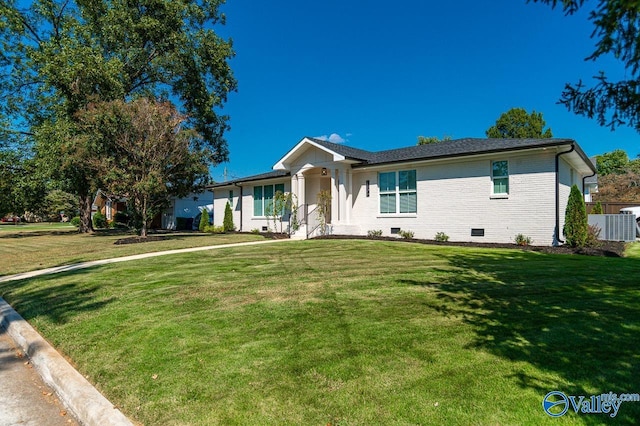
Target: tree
<point>612,162</point>
<point>153,157</point>
<point>518,124</point>
<point>426,140</point>
<point>58,56</point>
<point>597,209</point>
<point>227,222</point>
<point>204,219</point>
<point>611,103</point>
<point>21,186</point>
<point>575,219</point>
<point>57,202</point>
<point>622,188</point>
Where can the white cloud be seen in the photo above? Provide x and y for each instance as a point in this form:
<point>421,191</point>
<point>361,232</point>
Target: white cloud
<point>333,137</point>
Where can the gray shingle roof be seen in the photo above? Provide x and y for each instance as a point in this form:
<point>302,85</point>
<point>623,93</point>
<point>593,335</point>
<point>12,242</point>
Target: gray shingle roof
<point>443,149</point>
<point>460,147</point>
<point>261,176</point>
<point>347,151</point>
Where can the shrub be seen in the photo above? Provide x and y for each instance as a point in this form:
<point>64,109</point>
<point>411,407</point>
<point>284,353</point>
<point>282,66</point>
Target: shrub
<point>214,229</point>
<point>227,223</point>
<point>121,218</point>
<point>255,231</point>
<point>407,235</point>
<point>99,220</point>
<point>204,219</point>
<point>575,219</point>
<point>597,209</point>
<point>593,236</point>
<point>441,237</point>
<point>76,221</point>
<point>523,240</point>
<point>374,233</point>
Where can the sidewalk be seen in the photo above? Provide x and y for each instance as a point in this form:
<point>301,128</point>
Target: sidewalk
<point>25,399</point>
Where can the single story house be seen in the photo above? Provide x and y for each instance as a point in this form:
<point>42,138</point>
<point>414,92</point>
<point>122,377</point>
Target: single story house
<point>108,205</point>
<point>484,190</point>
<point>189,208</point>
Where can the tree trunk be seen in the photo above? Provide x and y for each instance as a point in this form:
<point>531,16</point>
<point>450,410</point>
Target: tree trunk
<point>85,214</point>
<point>143,231</point>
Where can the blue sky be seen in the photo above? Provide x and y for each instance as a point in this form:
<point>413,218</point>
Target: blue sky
<point>378,74</point>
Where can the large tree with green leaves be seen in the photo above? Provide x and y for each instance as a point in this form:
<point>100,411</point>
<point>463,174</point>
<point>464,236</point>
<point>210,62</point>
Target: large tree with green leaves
<point>427,140</point>
<point>57,56</point>
<point>615,161</point>
<point>517,123</point>
<point>617,34</point>
<point>153,156</point>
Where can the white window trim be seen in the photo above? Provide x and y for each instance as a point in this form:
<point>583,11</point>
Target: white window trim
<point>397,193</point>
<point>499,195</point>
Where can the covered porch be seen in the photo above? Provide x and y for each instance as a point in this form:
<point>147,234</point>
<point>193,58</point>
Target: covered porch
<point>319,176</point>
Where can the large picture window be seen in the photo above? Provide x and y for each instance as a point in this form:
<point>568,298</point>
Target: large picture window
<point>500,177</point>
<point>263,198</point>
<point>398,192</point>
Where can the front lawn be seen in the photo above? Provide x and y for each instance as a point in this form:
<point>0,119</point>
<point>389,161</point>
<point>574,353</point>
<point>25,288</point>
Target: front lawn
<point>28,247</point>
<point>347,333</point>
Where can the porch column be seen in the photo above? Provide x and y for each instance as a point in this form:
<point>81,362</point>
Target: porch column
<point>348,185</point>
<point>335,199</point>
<point>342,188</point>
<point>302,196</point>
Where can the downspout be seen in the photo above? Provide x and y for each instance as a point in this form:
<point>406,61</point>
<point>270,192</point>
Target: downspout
<point>573,147</point>
<point>240,203</point>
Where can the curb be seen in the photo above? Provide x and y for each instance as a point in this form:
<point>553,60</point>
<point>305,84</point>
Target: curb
<point>84,401</point>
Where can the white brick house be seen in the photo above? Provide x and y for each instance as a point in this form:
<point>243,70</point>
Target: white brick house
<point>485,190</point>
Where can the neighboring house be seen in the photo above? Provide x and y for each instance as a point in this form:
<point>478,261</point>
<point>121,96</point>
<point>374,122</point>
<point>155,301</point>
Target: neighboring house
<point>590,183</point>
<point>590,188</point>
<point>188,207</point>
<point>108,205</point>
<point>484,190</point>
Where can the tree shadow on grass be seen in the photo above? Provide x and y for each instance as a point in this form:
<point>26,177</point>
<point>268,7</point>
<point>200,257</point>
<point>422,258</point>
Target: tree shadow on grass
<point>574,317</point>
<point>54,298</point>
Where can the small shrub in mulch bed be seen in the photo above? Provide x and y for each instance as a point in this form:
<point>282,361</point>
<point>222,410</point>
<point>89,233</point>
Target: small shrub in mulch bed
<point>605,248</point>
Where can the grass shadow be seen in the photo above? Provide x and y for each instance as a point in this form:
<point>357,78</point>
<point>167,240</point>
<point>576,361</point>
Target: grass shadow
<point>576,318</point>
<point>59,301</point>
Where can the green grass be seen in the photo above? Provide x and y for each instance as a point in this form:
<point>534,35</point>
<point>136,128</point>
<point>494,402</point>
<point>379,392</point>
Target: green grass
<point>37,246</point>
<point>347,333</point>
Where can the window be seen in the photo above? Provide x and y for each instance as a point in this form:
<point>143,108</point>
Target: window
<point>500,177</point>
<point>231,198</point>
<point>263,198</point>
<point>398,192</point>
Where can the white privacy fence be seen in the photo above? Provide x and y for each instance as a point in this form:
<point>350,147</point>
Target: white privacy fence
<point>615,227</point>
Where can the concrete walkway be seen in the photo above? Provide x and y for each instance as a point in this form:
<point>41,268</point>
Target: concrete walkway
<point>84,265</point>
<point>33,375</point>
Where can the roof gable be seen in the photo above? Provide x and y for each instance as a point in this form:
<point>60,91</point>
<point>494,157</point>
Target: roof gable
<point>339,153</point>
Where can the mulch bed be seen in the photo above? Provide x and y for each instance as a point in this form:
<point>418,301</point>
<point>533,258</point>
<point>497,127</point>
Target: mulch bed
<point>605,249</point>
<point>137,239</point>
